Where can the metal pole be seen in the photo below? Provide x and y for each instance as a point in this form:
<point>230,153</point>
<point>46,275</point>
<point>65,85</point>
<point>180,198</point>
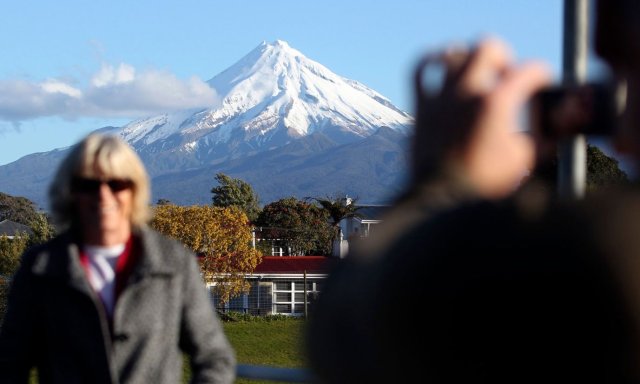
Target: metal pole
<point>572,152</point>
<point>253,237</point>
<point>305,293</point>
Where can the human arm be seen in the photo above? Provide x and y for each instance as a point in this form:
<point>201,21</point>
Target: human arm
<point>468,131</point>
<point>468,141</point>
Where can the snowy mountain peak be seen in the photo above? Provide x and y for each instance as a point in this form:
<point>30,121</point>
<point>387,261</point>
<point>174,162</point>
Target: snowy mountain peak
<point>271,96</point>
<point>278,45</point>
<point>281,43</point>
<point>284,123</point>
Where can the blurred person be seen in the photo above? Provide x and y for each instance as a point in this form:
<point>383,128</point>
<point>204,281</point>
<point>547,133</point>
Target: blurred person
<point>508,285</point>
<point>109,300</point>
<point>455,159</point>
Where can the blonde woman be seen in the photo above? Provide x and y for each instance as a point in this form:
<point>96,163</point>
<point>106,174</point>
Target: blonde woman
<point>109,300</point>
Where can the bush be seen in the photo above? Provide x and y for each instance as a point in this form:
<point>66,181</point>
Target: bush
<point>232,316</point>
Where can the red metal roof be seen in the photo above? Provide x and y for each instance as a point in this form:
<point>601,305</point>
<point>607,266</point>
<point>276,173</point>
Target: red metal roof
<point>295,264</point>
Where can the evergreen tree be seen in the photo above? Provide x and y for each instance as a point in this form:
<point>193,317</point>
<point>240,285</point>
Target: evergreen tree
<point>602,170</point>
<point>235,192</point>
<point>296,225</point>
<point>42,229</point>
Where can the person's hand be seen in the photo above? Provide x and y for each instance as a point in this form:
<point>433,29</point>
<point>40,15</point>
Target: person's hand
<point>471,125</point>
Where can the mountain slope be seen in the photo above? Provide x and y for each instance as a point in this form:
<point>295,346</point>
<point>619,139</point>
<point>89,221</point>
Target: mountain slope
<point>373,169</point>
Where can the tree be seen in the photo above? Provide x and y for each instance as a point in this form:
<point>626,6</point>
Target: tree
<point>18,209</point>
<point>338,208</point>
<point>299,225</point>
<point>21,210</point>
<point>42,229</point>
<point>602,170</point>
<point>222,236</point>
<point>235,192</point>
<point>11,250</point>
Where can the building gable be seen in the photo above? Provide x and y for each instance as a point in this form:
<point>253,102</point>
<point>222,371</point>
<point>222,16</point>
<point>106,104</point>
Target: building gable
<point>11,228</point>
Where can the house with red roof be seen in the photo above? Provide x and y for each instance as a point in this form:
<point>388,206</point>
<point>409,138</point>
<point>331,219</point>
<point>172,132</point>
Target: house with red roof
<point>280,284</point>
<point>287,285</point>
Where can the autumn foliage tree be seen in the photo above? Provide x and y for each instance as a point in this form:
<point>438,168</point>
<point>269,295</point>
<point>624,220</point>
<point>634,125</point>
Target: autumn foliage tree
<point>222,236</point>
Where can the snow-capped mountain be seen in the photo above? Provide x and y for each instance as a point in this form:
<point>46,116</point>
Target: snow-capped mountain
<point>284,123</point>
<point>270,97</point>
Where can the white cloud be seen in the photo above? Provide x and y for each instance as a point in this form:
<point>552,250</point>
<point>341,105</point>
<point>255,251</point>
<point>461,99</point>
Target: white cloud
<point>55,86</point>
<point>109,76</point>
<point>114,91</point>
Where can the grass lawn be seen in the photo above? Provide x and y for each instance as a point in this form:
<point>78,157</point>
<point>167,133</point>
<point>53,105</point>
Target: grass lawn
<point>277,343</point>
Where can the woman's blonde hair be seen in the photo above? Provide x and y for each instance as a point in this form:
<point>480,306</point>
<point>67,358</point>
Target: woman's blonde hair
<point>99,156</point>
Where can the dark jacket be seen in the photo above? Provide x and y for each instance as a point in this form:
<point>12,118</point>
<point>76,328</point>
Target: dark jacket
<point>56,322</point>
<point>516,291</point>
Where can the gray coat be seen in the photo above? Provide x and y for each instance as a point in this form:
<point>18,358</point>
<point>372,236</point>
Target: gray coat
<point>57,323</point>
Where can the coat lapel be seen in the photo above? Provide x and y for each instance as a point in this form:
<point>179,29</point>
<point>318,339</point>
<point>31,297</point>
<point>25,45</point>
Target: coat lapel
<point>152,262</point>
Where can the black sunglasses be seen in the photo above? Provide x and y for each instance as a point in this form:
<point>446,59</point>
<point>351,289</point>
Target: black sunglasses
<point>87,185</point>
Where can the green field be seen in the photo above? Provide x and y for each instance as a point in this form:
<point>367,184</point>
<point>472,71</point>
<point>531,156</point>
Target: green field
<point>276,343</point>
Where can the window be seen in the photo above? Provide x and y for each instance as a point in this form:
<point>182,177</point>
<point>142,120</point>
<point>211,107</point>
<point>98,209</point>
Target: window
<point>289,296</point>
<point>285,297</point>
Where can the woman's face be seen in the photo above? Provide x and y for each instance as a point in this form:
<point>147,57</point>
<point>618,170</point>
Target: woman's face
<point>103,207</point>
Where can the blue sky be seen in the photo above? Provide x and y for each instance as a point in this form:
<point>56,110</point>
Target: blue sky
<point>71,66</point>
